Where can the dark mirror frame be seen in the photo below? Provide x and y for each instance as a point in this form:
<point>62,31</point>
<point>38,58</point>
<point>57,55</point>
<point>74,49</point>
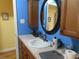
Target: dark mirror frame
<point>56,28</point>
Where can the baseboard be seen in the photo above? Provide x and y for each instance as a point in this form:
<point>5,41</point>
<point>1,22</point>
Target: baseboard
<point>7,50</point>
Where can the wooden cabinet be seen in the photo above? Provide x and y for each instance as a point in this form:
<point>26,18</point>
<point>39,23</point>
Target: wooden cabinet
<point>33,13</point>
<point>70,18</point>
<point>24,53</point>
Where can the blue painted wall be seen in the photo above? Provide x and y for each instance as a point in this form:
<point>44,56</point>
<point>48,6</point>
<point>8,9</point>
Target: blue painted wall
<point>68,41</point>
<point>22,13</point>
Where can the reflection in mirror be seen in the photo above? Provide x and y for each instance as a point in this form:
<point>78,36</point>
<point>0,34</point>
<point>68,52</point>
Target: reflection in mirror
<point>49,15</point>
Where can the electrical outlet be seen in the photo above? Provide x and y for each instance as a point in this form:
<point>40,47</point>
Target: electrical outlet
<point>22,21</point>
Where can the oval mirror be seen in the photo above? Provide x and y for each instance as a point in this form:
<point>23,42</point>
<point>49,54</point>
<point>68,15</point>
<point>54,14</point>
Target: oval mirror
<point>49,17</point>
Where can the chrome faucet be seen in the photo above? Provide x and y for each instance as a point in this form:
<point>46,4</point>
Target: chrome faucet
<point>43,36</point>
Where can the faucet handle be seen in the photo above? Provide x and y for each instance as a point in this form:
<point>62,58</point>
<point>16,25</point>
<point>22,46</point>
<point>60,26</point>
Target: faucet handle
<point>45,37</point>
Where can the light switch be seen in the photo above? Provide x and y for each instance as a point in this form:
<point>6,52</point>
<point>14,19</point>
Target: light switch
<point>22,21</point>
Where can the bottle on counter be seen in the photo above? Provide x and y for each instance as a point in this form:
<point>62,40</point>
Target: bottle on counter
<point>54,43</point>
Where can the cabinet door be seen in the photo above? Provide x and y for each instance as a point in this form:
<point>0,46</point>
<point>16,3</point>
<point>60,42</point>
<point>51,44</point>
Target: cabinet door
<point>30,56</point>
<point>30,12</point>
<point>33,13</point>
<point>70,18</point>
<point>24,53</point>
<point>20,49</point>
<point>24,56</point>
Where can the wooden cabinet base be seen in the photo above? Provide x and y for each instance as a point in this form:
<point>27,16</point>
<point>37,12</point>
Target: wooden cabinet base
<point>24,53</point>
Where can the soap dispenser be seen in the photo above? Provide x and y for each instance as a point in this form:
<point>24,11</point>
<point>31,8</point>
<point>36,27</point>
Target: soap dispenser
<point>54,43</point>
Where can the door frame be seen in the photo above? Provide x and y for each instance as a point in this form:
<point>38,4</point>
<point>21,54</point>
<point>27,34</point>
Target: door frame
<point>16,27</point>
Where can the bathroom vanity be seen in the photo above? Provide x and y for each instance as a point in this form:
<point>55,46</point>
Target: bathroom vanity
<point>27,52</point>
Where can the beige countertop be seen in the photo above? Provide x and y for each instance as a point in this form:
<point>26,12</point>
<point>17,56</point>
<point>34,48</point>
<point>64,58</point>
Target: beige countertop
<point>35,51</point>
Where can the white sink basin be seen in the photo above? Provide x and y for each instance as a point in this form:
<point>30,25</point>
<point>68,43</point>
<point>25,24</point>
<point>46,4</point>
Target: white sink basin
<point>38,43</point>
